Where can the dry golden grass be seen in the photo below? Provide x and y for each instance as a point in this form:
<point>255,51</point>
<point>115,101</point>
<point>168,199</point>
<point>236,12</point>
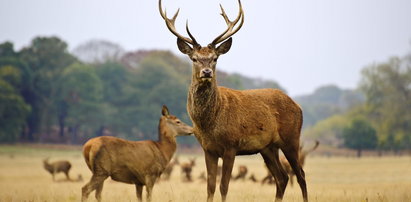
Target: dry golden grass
<point>22,178</point>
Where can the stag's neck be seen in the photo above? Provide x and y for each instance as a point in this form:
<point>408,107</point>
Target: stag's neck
<point>166,141</point>
<point>203,103</point>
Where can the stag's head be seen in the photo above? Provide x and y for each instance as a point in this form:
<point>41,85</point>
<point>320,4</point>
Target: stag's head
<point>205,58</point>
<point>175,125</point>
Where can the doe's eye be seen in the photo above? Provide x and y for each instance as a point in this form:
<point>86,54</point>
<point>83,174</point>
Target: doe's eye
<point>215,59</point>
<point>194,60</point>
<point>178,122</point>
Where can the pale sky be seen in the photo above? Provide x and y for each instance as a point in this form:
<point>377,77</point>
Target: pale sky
<point>300,44</point>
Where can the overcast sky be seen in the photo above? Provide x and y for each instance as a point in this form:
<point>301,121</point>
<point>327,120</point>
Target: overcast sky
<point>300,44</point>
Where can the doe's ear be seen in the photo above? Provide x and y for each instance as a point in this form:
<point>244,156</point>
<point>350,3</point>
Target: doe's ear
<point>164,111</point>
<point>225,46</point>
<point>184,47</point>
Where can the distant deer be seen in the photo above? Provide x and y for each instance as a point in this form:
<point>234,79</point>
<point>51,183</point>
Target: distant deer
<point>57,167</point>
<point>269,178</point>
<point>186,169</point>
<point>169,169</point>
<point>230,122</point>
<point>242,172</point>
<point>132,162</point>
<point>252,178</point>
<point>302,156</point>
<point>202,177</point>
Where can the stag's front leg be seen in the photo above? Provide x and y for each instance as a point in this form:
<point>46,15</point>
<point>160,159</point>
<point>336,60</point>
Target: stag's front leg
<point>211,164</point>
<point>228,162</point>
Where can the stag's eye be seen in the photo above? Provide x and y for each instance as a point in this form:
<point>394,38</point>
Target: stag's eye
<point>215,59</point>
<point>178,122</point>
<point>194,59</point>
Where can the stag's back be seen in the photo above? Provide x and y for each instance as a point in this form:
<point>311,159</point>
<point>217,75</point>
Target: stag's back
<point>256,117</point>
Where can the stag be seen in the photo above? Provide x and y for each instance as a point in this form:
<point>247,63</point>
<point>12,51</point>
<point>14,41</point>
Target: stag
<point>57,167</point>
<point>230,122</point>
<point>133,162</point>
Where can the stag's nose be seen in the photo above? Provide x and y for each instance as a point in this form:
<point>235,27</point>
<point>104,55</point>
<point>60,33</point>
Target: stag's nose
<point>208,73</point>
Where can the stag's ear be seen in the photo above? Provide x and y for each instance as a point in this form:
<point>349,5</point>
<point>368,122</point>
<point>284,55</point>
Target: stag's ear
<point>164,111</point>
<point>184,47</point>
<point>225,46</point>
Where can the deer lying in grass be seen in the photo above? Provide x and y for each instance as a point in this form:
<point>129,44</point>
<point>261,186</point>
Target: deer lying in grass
<point>169,169</point>
<point>57,167</point>
<point>132,162</point>
<point>252,178</point>
<point>231,122</point>
<point>242,172</point>
<point>302,156</point>
<point>186,169</point>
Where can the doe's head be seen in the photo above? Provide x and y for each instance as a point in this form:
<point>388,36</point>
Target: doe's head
<point>174,124</point>
<point>205,58</point>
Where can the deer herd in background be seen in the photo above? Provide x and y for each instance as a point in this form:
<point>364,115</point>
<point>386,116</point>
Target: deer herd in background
<point>226,123</point>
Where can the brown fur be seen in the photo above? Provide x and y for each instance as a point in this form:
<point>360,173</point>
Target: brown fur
<point>57,167</point>
<point>242,172</point>
<point>132,162</point>
<point>230,122</point>
<point>302,156</point>
<point>186,169</point>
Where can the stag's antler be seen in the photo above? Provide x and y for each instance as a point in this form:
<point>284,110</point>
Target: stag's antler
<point>172,28</point>
<point>231,24</point>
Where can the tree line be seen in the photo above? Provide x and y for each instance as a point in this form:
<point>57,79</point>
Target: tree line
<point>382,120</point>
<point>48,94</point>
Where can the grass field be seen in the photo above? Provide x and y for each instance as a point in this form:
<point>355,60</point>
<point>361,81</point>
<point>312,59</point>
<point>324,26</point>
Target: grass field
<point>22,178</point>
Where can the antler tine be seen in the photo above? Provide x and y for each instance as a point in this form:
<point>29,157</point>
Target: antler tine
<point>231,24</point>
<point>191,36</point>
<point>172,28</point>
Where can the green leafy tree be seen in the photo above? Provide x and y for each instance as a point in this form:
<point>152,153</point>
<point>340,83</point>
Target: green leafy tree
<point>80,96</point>
<point>388,101</point>
<point>360,135</point>
<point>46,57</point>
<point>13,109</point>
<point>328,131</point>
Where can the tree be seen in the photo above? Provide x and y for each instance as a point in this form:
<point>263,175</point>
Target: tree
<point>13,109</point>
<point>80,95</point>
<point>328,131</point>
<point>46,57</point>
<point>98,51</point>
<point>387,87</point>
<point>360,135</point>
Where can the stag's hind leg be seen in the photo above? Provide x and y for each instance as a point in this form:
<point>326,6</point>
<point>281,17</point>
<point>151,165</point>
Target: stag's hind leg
<point>99,189</point>
<point>292,157</point>
<point>96,182</point>
<point>139,190</point>
<point>272,161</point>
